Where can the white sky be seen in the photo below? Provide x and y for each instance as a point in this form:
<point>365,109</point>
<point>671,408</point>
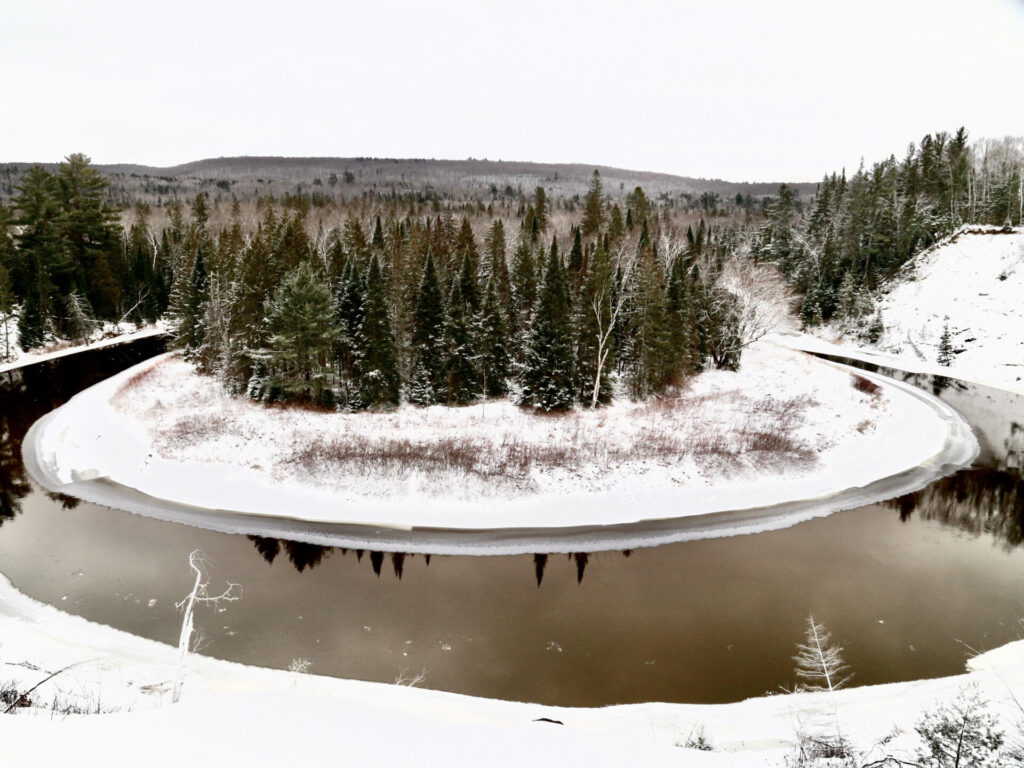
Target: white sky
<point>759,91</point>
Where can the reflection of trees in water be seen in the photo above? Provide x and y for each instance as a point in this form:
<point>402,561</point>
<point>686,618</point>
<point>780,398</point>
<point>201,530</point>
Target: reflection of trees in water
<point>13,481</point>
<point>307,556</point>
<point>975,501</point>
<point>28,393</point>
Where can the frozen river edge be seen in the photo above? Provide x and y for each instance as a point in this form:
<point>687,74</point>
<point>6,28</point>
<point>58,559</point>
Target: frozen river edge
<point>931,442</point>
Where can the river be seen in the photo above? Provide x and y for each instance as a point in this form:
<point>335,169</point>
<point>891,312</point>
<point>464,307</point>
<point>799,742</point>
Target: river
<point>910,587</point>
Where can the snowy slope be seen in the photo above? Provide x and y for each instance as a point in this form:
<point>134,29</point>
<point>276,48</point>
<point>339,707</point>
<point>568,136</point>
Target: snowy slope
<point>974,281</point>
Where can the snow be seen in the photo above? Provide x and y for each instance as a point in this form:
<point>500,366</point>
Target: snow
<point>232,714</point>
<point>973,280</point>
<point>109,335</point>
<point>174,444</point>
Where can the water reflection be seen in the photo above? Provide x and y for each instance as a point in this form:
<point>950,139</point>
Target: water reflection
<point>304,556</point>
<point>28,393</point>
<point>989,497</point>
<point>975,501</point>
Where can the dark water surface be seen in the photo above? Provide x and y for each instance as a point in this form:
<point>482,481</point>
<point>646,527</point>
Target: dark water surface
<point>907,586</point>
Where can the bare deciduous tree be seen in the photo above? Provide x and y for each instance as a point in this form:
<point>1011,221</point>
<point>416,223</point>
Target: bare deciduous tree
<point>199,594</point>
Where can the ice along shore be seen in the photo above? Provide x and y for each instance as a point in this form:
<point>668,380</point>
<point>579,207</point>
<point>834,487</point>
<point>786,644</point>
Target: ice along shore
<point>786,439</point>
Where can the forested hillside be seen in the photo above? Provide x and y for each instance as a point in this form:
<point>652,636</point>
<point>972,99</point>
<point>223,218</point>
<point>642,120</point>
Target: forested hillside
<point>860,229</point>
<point>448,286</point>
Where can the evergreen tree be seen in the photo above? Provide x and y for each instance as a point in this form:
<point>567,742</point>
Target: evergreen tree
<point>945,356</point>
<point>593,212</point>
<point>540,209</point>
<point>190,323</point>
<point>646,353</point>
<point>682,351</point>
<point>88,233</point>
<point>428,339</point>
<point>301,333</point>
<point>576,264</point>
<point>497,264</point>
<point>524,297</point>
<point>548,378</point>
<point>41,270</point>
<point>349,311</point>
<point>462,373</point>
<point>376,364</point>
<point>494,359</point>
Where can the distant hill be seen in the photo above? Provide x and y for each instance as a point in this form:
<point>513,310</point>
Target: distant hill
<point>247,176</point>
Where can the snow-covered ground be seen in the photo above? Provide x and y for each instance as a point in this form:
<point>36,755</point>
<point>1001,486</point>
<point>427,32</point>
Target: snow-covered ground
<point>174,436</point>
<point>972,281</point>
<point>236,715</point>
<point>107,335</point>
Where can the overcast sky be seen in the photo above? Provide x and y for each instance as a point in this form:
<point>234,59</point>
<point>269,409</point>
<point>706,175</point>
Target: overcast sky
<point>756,90</point>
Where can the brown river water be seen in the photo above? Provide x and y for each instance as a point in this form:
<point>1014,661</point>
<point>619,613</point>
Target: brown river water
<point>909,587</point>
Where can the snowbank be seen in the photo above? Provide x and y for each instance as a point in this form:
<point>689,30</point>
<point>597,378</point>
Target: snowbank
<point>105,446</point>
<point>110,335</point>
<point>237,715</point>
<point>973,282</point>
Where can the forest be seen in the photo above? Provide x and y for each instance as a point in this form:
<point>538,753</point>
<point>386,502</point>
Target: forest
<point>554,300</point>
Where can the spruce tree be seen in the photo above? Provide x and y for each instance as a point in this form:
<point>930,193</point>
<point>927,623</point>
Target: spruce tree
<point>945,356</point>
<point>462,373</point>
<point>494,359</point>
<point>548,377</point>
<point>593,212</point>
<point>647,329</point>
<point>523,299</point>
<point>427,338</point>
<point>349,310</point>
<point>376,364</point>
<point>682,351</point>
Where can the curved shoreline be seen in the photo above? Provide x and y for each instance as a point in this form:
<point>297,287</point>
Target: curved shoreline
<point>959,448</point>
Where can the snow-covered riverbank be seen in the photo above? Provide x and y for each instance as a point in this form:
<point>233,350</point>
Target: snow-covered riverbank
<point>109,336</point>
<point>970,284</point>
<point>169,441</point>
<point>237,715</point>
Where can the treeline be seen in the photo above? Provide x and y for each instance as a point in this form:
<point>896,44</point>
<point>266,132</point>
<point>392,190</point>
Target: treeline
<point>859,230</point>
<point>420,308</point>
<point>66,262</point>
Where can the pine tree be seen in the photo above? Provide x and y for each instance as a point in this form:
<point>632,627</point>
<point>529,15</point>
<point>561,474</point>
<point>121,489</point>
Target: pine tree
<point>88,232</point>
<point>376,364</point>
<point>494,360</point>
<point>548,377</point>
<point>301,333</point>
<point>42,272</point>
